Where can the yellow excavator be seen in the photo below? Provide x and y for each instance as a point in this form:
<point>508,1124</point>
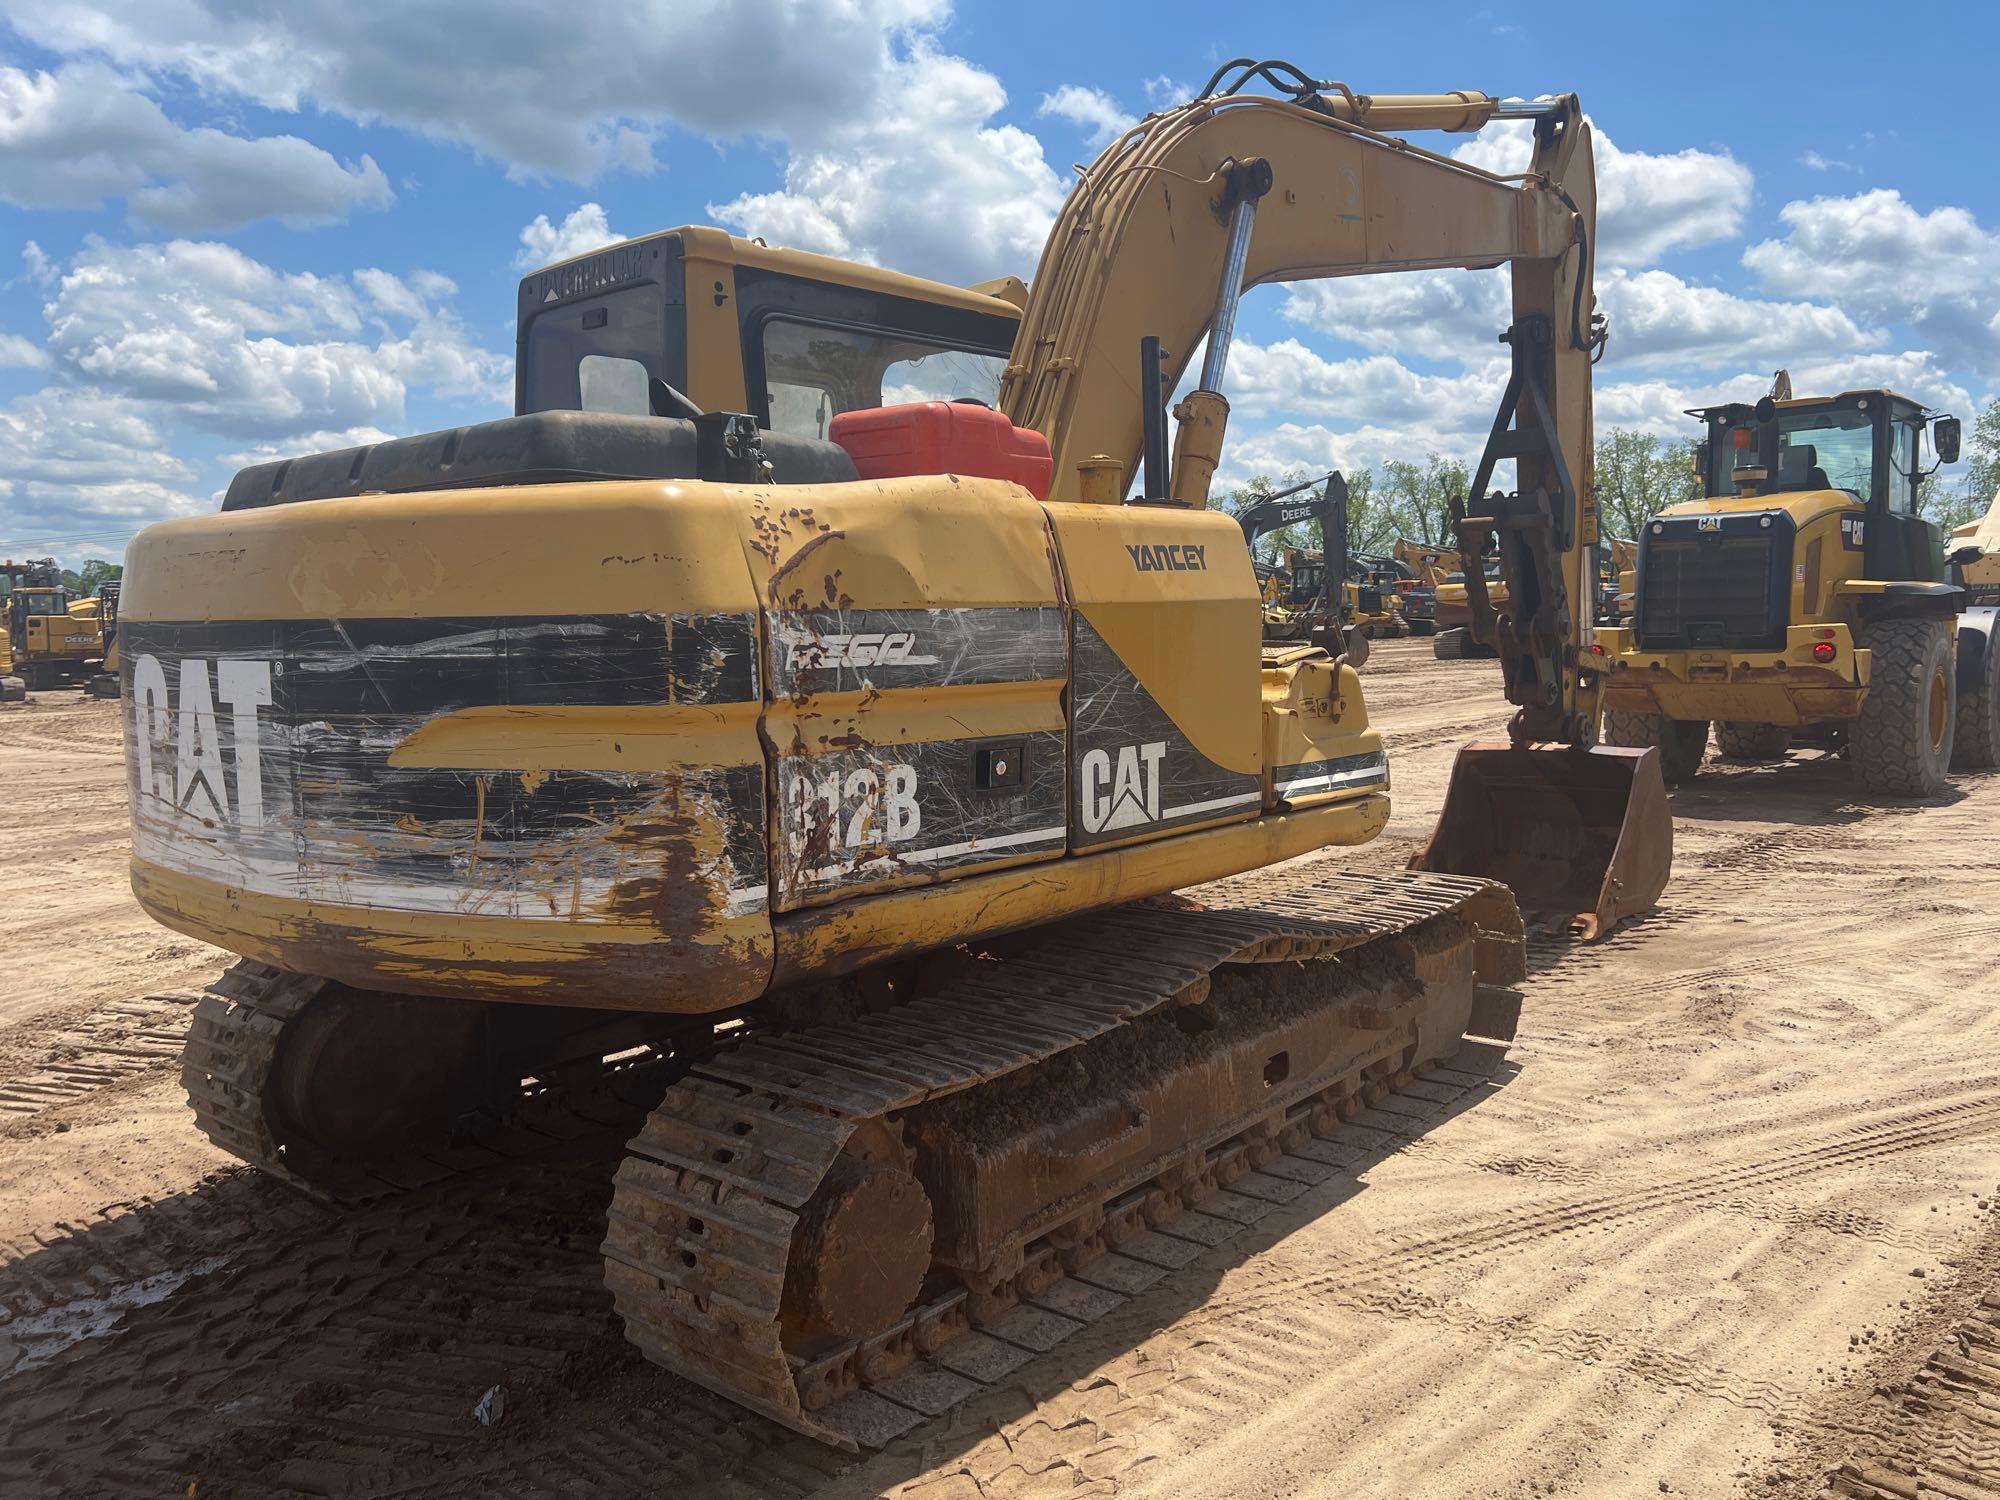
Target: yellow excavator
<point>832,766</point>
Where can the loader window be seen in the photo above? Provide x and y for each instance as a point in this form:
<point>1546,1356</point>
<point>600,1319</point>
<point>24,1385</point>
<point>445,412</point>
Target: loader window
<point>813,372</point>
<point>1842,456</point>
<point>1903,468</point>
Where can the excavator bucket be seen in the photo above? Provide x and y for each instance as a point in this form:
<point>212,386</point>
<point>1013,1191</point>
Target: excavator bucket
<point>1582,837</point>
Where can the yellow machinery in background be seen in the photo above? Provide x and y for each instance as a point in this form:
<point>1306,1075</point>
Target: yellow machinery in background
<point>710,723</point>
<point>1377,608</point>
<point>1974,561</point>
<point>1621,582</point>
<point>1301,601</point>
<point>1457,633</point>
<point>52,635</point>
<point>1806,599</point>
<point>100,610</point>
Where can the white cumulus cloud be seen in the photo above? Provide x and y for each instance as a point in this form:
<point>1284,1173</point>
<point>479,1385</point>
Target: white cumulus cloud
<point>238,347</point>
<point>585,229</point>
<point>924,182</point>
<point>77,137</point>
<point>1093,109</point>
<point>546,91</point>
<point>1937,272</point>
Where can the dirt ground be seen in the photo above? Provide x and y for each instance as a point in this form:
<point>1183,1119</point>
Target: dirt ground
<point>1722,1222</point>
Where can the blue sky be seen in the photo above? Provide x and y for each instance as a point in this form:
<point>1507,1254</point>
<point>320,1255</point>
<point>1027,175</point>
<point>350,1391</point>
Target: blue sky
<point>226,238</point>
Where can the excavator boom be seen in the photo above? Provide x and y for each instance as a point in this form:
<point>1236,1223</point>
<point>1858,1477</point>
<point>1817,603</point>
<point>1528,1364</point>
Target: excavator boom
<point>1235,191</point>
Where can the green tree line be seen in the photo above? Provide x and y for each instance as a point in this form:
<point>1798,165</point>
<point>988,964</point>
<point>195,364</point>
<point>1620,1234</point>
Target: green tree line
<point>84,580</point>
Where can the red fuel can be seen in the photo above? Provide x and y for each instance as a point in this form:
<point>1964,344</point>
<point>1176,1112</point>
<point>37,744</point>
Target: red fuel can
<point>944,437</point>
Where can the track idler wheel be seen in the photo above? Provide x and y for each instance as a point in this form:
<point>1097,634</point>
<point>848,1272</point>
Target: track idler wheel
<point>860,1253</point>
<point>360,1074</point>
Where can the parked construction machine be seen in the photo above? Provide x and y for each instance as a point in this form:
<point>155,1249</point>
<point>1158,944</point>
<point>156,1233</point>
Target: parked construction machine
<point>13,686</point>
<point>1413,584</point>
<point>53,635</point>
<point>1619,571</point>
<point>1805,599</point>
<point>1375,604</point>
<point>1974,563</point>
<point>1302,601</point>
<point>1456,622</point>
<point>831,764</point>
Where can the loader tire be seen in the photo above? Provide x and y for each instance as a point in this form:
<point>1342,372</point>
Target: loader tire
<point>1681,742</point>
<point>1752,741</point>
<point>1902,742</point>
<point>1976,739</point>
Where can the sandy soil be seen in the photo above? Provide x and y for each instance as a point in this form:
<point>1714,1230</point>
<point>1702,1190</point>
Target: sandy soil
<point>1722,1223</point>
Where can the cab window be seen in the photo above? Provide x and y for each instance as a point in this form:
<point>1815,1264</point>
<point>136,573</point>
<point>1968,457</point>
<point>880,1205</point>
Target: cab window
<point>813,372</point>
<point>1903,467</point>
<point>608,383</point>
<point>1817,449</point>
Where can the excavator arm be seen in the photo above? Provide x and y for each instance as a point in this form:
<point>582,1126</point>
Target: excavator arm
<point>1150,257</point>
<point>1232,192</point>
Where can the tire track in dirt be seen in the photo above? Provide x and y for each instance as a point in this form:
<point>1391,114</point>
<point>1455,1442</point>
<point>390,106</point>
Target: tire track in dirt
<point>1943,1437</point>
<point>1517,1227</point>
<point>348,1352</point>
<point>119,1041</point>
<point>311,1360</point>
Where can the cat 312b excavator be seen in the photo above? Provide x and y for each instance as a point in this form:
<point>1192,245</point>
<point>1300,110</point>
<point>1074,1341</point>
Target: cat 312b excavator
<point>837,784</point>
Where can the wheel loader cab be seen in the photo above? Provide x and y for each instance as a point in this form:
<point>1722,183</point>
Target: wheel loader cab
<point>695,319</point>
<point>1864,444</point>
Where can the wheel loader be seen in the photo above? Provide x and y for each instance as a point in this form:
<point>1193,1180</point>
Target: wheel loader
<point>1804,600</point>
<point>833,766</point>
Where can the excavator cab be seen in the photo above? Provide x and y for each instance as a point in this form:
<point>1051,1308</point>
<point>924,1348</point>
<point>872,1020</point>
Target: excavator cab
<point>691,320</point>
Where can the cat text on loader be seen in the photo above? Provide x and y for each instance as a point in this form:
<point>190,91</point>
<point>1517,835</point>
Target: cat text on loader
<point>827,795</point>
<point>1806,600</point>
